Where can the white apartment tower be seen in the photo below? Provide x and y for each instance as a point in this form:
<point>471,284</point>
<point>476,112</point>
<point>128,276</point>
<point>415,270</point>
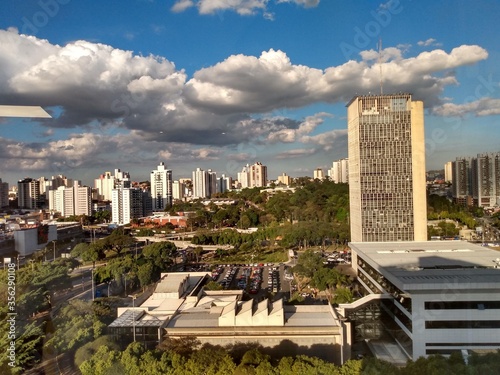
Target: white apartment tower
<point>339,172</point>
<point>387,187</point>
<point>178,190</point>
<point>448,172</point>
<point>258,175</point>
<point>200,183</point>
<point>318,174</point>
<point>71,201</point>
<point>126,204</point>
<point>161,187</point>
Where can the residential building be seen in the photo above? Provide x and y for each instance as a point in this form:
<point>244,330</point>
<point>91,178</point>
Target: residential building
<point>318,174</point>
<point>244,177</point>
<point>178,190</point>
<point>462,180</point>
<point>339,172</point>
<point>448,171</point>
<point>161,187</point>
<point>224,183</point>
<point>387,188</point>
<point>28,194</point>
<point>4,194</point>
<point>258,175</point>
<point>126,204</point>
<point>71,201</point>
<point>284,179</point>
<point>486,179</point>
<point>212,182</point>
<point>107,182</point>
<point>105,185</point>
<point>200,184</point>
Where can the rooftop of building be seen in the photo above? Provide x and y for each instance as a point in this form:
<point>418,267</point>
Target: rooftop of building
<point>430,265</point>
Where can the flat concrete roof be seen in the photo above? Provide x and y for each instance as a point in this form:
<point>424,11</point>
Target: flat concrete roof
<point>430,265</point>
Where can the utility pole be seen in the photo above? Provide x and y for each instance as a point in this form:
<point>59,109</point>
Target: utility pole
<point>93,293</point>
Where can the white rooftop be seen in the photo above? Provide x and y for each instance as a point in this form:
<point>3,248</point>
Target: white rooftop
<point>429,265</point>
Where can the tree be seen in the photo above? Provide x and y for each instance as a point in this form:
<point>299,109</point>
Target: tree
<point>145,274</point>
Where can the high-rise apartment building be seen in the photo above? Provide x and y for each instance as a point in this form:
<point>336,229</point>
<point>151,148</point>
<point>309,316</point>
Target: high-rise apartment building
<point>107,182</point>
<point>71,201</point>
<point>28,194</point>
<point>318,174</point>
<point>161,187</point>
<point>486,179</point>
<point>258,175</point>
<point>476,180</point>
<point>224,183</point>
<point>4,194</point>
<point>200,183</point>
<point>448,171</point>
<point>387,188</point>
<point>178,190</point>
<point>339,172</point>
<point>126,204</point>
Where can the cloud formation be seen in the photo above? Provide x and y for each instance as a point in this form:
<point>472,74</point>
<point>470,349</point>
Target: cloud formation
<point>157,110</point>
<point>241,7</point>
<point>481,107</point>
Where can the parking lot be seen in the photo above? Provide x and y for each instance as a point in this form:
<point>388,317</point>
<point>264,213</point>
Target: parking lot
<point>255,279</point>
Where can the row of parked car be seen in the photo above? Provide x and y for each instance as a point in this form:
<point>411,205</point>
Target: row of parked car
<point>273,282</point>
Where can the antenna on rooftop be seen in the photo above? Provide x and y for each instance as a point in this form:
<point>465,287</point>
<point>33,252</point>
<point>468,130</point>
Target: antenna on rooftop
<point>380,66</point>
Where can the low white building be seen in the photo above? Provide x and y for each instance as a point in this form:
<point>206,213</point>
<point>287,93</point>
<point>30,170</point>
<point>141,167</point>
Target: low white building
<point>435,297</point>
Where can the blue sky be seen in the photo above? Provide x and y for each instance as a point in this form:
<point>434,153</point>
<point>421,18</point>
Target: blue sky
<point>222,83</point>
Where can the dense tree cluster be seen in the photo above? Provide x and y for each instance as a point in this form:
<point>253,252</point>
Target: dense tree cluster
<point>35,286</point>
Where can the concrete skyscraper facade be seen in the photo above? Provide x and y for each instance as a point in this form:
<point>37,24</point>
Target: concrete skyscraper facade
<point>387,187</point>
<point>4,194</point>
<point>28,194</point>
<point>161,187</point>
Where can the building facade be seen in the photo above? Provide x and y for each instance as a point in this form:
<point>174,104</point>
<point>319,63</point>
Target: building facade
<point>126,204</point>
<point>71,201</point>
<point>4,194</point>
<point>29,195</point>
<point>161,187</point>
<point>433,297</point>
<point>318,174</point>
<point>387,188</point>
<point>200,183</point>
<point>339,172</point>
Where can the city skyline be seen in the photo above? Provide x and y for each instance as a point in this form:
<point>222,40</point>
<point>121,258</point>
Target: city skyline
<point>219,85</point>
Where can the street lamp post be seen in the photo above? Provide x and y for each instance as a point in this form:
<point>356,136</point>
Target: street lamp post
<point>133,313</point>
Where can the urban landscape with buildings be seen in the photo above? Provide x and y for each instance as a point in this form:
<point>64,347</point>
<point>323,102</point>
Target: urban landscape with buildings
<point>301,211</point>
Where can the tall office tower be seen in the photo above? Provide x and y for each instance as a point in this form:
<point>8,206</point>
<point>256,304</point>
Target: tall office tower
<point>462,181</point>
<point>28,193</point>
<point>244,177</point>
<point>448,172</point>
<point>284,179</point>
<point>178,190</point>
<point>387,188</point>
<point>200,183</point>
<point>486,179</point>
<point>224,183</point>
<point>4,194</point>
<point>161,187</point>
<point>318,174</point>
<point>339,172</point>
<point>258,175</point>
<point>126,204</point>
